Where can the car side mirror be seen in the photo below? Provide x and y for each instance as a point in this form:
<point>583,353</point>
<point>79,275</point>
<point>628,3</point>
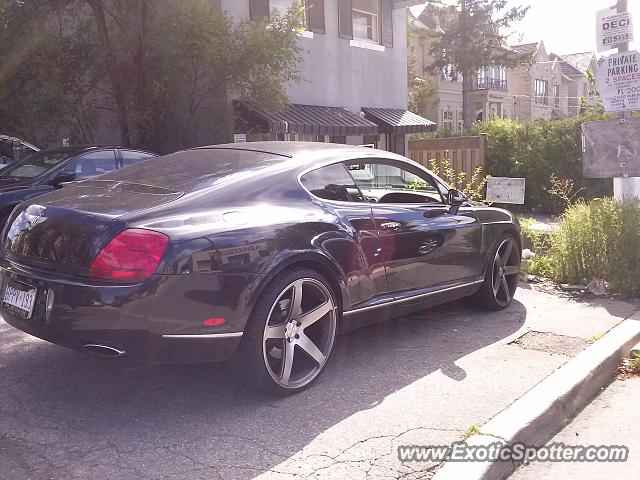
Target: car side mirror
<point>65,176</point>
<point>455,198</point>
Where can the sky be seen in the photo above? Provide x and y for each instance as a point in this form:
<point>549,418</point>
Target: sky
<point>567,26</point>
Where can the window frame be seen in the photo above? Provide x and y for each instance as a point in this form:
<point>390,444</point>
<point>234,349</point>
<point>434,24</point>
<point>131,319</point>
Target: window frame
<point>307,17</point>
<point>404,166</point>
<point>316,168</point>
<point>374,28</point>
<point>541,97</point>
<point>555,89</point>
<point>80,156</point>
<point>122,151</point>
<point>440,185</point>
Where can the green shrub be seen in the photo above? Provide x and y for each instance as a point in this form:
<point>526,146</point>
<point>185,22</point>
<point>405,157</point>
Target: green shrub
<point>539,243</point>
<point>539,151</point>
<point>600,239</point>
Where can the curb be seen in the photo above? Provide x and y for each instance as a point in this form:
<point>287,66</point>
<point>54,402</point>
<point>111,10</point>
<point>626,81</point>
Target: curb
<point>544,410</point>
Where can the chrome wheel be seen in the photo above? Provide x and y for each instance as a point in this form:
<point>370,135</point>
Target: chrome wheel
<point>504,276</point>
<point>299,333</point>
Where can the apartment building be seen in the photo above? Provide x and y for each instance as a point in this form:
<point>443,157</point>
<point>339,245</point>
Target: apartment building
<point>575,66</point>
<point>490,88</point>
<point>548,88</point>
<point>540,91</point>
<point>354,87</point>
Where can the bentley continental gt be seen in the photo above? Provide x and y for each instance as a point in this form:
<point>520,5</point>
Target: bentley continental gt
<point>257,253</point>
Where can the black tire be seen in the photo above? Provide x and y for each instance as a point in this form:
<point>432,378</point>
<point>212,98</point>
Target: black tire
<point>503,277</point>
<point>256,362</point>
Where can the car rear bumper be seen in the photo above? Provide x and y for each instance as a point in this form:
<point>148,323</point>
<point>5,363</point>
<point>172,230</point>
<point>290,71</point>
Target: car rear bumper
<point>159,321</point>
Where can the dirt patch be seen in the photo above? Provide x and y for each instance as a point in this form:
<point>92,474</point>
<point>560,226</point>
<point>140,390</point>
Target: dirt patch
<point>551,343</point>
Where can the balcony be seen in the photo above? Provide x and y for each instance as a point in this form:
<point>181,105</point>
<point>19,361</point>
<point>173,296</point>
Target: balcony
<point>488,83</point>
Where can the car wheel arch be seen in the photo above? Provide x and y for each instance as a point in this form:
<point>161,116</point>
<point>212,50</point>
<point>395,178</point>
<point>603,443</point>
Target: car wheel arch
<point>314,261</point>
<point>509,229</point>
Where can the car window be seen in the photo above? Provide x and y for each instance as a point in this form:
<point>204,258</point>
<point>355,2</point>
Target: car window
<point>332,182</point>
<point>130,157</point>
<point>35,164</point>
<point>92,164</point>
<point>391,182</point>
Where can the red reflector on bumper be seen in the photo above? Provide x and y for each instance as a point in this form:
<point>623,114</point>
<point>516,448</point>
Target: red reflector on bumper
<point>212,322</point>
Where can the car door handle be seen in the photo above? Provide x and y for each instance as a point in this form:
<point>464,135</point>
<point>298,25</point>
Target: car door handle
<point>390,225</point>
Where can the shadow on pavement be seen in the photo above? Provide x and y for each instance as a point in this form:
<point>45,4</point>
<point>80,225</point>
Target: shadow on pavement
<point>65,415</point>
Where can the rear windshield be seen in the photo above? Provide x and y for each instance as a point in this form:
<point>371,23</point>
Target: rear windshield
<point>192,170</point>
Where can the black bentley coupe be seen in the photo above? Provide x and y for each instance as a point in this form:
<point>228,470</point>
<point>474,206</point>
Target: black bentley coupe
<point>259,253</point>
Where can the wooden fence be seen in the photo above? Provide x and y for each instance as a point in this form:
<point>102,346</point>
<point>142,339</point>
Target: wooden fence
<point>463,154</point>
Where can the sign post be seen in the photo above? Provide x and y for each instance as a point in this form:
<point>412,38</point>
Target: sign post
<point>619,84</point>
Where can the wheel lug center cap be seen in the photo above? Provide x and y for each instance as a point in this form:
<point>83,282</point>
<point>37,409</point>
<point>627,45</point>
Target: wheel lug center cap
<point>291,330</point>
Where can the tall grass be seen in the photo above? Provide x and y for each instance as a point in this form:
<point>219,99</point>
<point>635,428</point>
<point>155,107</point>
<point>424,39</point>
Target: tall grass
<point>600,239</point>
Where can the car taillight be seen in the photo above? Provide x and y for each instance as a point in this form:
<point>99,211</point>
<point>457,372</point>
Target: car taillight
<point>131,255</point>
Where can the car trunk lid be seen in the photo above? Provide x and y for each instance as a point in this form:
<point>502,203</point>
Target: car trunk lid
<point>65,229</point>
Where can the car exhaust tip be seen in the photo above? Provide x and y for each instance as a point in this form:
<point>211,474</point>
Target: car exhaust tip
<point>104,351</point>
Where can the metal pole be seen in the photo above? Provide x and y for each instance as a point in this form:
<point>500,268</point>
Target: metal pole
<point>625,187</point>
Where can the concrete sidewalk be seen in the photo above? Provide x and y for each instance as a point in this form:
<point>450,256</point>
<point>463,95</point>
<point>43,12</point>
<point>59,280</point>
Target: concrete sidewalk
<point>438,408</point>
<point>613,418</point>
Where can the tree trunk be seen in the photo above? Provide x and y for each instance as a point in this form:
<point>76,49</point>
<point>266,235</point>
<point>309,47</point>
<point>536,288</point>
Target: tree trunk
<point>467,114</point>
<point>144,110</point>
<point>115,77</point>
<point>466,71</point>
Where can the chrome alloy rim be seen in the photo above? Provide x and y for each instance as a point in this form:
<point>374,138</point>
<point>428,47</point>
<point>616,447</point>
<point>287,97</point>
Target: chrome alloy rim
<point>504,277</point>
<point>299,333</point>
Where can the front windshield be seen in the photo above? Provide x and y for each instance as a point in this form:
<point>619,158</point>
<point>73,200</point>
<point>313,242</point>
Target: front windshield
<point>35,164</point>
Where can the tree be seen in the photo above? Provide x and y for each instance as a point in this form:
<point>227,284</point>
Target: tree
<point>473,35</point>
<point>421,89</point>
<point>47,71</point>
<point>165,70</point>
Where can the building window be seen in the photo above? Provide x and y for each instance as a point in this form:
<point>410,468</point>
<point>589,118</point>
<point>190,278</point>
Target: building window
<point>541,92</point>
<point>314,13</point>
<point>259,10</point>
<point>556,95</point>
<point>447,120</point>
<point>490,78</point>
<point>365,20</point>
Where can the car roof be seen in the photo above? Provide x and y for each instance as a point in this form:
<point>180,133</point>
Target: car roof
<point>305,152</point>
<point>76,149</point>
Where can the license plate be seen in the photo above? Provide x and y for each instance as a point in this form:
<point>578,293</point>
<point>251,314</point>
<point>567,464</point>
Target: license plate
<point>19,298</point>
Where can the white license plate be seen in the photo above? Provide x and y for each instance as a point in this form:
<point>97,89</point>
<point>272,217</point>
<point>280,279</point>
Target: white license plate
<point>20,299</point>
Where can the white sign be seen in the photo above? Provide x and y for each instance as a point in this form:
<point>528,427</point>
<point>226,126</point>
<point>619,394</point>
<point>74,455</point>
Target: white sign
<point>65,142</point>
<point>239,138</point>
<point>505,190</point>
<point>618,81</point>
<point>613,28</point>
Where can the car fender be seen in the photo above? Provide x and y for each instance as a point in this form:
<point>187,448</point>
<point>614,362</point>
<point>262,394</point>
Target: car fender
<point>313,259</point>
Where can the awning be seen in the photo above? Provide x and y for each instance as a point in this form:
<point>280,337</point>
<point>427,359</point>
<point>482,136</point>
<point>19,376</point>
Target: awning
<point>307,120</point>
<point>557,114</point>
<point>397,121</point>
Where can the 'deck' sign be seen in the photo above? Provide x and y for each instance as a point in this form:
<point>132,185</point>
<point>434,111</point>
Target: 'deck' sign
<point>613,28</point>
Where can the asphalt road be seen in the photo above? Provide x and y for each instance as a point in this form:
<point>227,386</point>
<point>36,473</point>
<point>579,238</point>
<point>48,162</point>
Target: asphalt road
<point>64,415</point>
